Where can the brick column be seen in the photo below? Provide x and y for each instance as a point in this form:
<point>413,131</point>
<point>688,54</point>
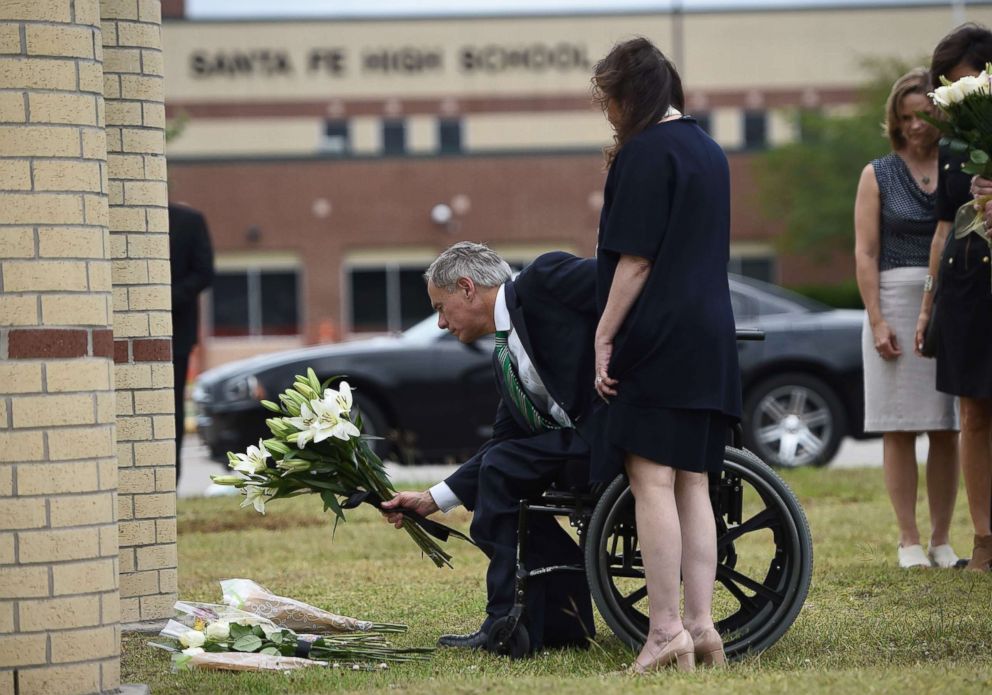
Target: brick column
<point>139,240</point>
<point>59,604</point>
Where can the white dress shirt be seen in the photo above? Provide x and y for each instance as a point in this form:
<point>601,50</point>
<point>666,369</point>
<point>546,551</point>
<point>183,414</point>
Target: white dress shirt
<point>445,499</point>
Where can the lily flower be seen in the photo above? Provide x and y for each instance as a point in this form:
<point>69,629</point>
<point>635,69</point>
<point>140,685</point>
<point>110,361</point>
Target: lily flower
<point>304,424</point>
<point>342,397</point>
<point>330,423</point>
<point>257,496</point>
<point>253,461</point>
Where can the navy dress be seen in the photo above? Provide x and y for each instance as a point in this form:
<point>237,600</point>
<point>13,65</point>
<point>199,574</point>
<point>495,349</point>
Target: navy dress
<point>667,199</point>
<point>964,291</point>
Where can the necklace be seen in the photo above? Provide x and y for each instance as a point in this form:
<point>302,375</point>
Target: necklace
<point>924,179</point>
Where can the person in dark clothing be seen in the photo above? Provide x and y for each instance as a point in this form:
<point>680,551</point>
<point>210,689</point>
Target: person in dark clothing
<point>543,321</point>
<point>964,322</point>
<point>191,260</point>
<point>666,358</point>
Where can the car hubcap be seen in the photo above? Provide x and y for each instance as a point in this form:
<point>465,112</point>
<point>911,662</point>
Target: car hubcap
<point>794,425</point>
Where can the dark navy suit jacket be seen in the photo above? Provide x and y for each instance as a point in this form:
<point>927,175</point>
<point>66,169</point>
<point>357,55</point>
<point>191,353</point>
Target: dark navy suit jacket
<point>552,306</point>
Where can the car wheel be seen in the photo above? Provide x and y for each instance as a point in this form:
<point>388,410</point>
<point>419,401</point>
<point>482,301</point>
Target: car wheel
<point>793,420</point>
<point>374,423</point>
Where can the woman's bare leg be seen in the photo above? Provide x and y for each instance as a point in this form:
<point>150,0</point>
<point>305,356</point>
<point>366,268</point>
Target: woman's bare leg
<point>692,496</point>
<point>942,483</point>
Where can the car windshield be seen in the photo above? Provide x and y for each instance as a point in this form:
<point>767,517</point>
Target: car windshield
<point>779,297</point>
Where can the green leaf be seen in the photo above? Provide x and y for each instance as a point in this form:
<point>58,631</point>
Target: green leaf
<point>270,650</point>
<point>258,631</point>
<point>979,157</point>
<point>269,405</point>
<point>276,638</point>
<point>238,631</point>
<point>248,643</point>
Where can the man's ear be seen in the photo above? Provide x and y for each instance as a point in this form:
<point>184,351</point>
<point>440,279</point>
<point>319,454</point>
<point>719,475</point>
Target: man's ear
<point>466,287</point>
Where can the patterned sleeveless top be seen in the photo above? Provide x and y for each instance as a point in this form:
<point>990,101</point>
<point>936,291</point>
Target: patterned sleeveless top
<point>908,215</point>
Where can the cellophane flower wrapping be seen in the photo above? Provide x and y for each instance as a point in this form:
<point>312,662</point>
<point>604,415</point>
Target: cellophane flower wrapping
<point>292,614</point>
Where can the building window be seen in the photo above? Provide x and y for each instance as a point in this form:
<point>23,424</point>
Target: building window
<point>387,298</point>
<point>757,267</point>
<point>337,141</point>
<point>703,119</point>
<point>394,136</point>
<point>755,129</point>
<point>450,135</point>
<point>255,302</point>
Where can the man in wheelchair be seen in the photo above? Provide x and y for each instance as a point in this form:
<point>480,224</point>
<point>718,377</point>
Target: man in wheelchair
<point>544,321</point>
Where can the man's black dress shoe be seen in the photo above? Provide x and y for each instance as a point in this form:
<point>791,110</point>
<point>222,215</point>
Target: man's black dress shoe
<point>477,640</point>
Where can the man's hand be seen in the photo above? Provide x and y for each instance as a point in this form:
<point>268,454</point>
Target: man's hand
<point>420,502</point>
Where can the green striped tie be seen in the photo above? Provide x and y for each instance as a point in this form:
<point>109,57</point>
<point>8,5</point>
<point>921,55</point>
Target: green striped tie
<point>537,421</point>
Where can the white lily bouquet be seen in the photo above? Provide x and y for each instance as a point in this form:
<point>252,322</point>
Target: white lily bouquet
<point>967,130</point>
<point>221,637</point>
<point>316,448</point>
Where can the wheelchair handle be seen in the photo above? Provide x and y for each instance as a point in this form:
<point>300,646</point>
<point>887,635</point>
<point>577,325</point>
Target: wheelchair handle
<point>750,334</point>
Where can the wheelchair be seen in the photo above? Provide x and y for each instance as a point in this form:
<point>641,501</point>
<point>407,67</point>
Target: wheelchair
<point>764,554</point>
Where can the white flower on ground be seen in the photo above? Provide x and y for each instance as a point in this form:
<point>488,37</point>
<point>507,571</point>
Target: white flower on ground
<point>193,651</point>
<point>330,423</point>
<point>304,423</point>
<point>252,461</point>
<point>257,496</point>
<point>218,631</point>
<point>342,397</point>
<point>192,638</point>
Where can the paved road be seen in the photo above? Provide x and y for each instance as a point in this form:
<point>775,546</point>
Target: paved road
<point>197,467</point>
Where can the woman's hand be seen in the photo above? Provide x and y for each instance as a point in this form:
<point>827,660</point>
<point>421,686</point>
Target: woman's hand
<point>604,385</point>
<point>982,188</point>
<point>921,331</point>
<point>885,341</point>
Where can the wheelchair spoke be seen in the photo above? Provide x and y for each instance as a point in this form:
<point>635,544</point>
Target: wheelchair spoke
<point>728,576</point>
<point>634,597</point>
<point>766,518</point>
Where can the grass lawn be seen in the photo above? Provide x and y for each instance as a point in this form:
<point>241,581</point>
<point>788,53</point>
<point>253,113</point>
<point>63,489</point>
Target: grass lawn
<point>867,626</point>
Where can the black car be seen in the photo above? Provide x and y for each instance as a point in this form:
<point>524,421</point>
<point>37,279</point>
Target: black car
<point>434,399</point>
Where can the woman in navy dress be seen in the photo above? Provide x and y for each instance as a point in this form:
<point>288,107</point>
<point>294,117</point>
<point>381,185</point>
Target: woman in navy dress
<point>666,358</point>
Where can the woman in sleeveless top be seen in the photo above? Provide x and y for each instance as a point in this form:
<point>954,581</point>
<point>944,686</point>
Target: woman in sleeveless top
<point>894,223</point>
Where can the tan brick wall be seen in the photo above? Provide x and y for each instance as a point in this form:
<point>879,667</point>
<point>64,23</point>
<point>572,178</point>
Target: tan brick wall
<point>59,589</point>
<point>139,242</point>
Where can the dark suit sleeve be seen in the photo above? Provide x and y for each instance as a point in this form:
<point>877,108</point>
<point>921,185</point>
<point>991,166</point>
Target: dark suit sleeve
<point>201,271</point>
<point>559,278</point>
<point>464,482</point>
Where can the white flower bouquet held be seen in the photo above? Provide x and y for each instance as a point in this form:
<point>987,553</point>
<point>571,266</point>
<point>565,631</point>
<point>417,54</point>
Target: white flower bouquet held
<point>317,448</point>
<point>211,629</point>
<point>292,614</point>
<point>966,129</point>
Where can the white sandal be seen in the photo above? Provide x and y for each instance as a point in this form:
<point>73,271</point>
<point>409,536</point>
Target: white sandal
<point>942,555</point>
<point>913,556</point>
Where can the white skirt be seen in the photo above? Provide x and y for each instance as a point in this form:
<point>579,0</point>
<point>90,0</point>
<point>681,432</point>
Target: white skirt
<point>901,394</point>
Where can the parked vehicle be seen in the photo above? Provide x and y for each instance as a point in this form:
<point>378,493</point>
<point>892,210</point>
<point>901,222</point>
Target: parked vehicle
<point>433,399</point>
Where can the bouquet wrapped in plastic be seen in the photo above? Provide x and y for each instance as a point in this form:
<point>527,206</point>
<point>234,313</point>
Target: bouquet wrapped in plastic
<point>315,448</point>
<point>204,628</point>
<point>292,614</point>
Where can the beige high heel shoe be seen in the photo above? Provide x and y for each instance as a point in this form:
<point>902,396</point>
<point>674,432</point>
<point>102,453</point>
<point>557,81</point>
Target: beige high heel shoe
<point>981,556</point>
<point>708,648</point>
<point>679,651</point>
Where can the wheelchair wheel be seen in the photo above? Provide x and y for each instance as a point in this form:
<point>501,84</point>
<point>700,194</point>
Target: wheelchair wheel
<point>764,564</point>
<point>506,640</point>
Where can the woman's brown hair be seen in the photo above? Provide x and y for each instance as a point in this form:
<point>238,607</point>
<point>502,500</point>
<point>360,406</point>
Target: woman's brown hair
<point>642,83</point>
<point>915,81</point>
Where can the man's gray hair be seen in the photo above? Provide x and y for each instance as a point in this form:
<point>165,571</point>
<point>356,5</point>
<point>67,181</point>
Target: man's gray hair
<point>466,259</point>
